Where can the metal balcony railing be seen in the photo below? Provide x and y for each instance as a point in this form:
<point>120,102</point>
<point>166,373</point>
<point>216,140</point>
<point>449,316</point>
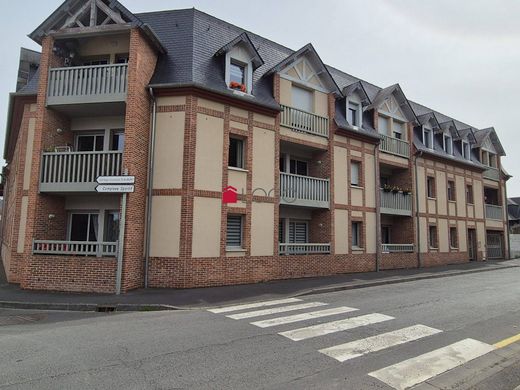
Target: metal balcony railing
<point>494,212</point>
<point>396,203</point>
<point>397,248</point>
<point>306,191</point>
<point>75,248</point>
<point>303,249</point>
<point>77,171</point>
<point>394,146</point>
<point>87,84</point>
<point>305,122</point>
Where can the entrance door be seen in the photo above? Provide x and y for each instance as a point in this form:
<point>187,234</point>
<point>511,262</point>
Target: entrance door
<point>472,244</point>
<point>494,245</point>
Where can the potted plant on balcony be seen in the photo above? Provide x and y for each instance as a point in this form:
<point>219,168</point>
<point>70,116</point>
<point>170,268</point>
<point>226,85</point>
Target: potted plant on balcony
<point>387,188</point>
<point>407,191</point>
<point>237,86</point>
<point>395,189</point>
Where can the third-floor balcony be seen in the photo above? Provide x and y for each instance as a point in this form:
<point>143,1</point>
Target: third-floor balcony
<point>87,84</point>
<point>394,146</point>
<point>304,122</point>
<point>396,203</point>
<point>77,171</point>
<point>306,191</point>
<point>492,174</point>
<point>494,212</point>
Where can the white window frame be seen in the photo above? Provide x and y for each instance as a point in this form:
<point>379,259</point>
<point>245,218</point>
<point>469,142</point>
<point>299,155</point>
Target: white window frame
<point>426,132</point>
<point>311,109</point>
<point>241,247</point>
<point>447,143</point>
<point>466,151</point>
<point>359,169</point>
<point>359,113</point>
<point>358,235</point>
<point>436,246</point>
<point>397,130</point>
<point>248,72</point>
<point>241,152</point>
<point>101,222</point>
<point>456,237</point>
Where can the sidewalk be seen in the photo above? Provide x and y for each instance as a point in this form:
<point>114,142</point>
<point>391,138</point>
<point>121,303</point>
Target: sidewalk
<point>12,296</point>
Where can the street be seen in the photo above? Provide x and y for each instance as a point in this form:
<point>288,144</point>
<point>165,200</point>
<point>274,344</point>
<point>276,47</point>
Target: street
<point>393,336</point>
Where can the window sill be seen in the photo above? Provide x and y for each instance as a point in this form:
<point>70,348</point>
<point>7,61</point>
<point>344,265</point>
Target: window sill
<point>239,93</point>
<point>237,169</point>
<point>432,248</point>
<point>235,250</point>
<point>430,198</point>
<point>357,248</point>
<point>454,248</point>
<point>452,201</point>
<point>357,187</point>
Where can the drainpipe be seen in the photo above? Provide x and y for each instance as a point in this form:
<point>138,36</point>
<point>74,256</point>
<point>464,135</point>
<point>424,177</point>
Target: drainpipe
<point>378,209</point>
<point>507,223</point>
<point>419,258</point>
<point>151,161</point>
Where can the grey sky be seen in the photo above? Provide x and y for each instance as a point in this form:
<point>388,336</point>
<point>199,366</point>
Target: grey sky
<point>461,58</point>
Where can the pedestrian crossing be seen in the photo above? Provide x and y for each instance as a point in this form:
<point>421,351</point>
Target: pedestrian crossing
<point>401,375</point>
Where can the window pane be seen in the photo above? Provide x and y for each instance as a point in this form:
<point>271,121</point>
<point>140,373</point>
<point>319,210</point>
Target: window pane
<point>93,227</point>
<point>355,233</point>
<point>86,143</point>
<point>234,231</point>
<point>100,140</point>
<point>383,125</point>
<point>453,237</point>
<point>301,168</point>
<point>398,127</point>
<point>302,99</point>
<point>354,173</point>
<point>236,152</point>
<point>118,141</point>
<point>79,227</point>
<point>112,226</point>
<point>353,114</point>
<point>236,73</point>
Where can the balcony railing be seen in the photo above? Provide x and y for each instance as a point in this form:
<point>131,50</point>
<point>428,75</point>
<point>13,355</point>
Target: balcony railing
<point>494,212</point>
<point>397,248</point>
<point>75,248</point>
<point>303,249</point>
<point>77,171</point>
<point>305,122</point>
<point>394,146</point>
<point>305,191</point>
<point>87,84</point>
<point>396,203</point>
<point>492,174</point>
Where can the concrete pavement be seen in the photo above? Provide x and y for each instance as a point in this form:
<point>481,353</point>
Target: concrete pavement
<point>247,347</point>
<point>166,299</point>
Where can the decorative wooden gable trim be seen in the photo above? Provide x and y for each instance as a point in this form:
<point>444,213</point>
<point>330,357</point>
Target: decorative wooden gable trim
<point>488,145</point>
<point>93,13</point>
<point>302,72</point>
<point>391,108</point>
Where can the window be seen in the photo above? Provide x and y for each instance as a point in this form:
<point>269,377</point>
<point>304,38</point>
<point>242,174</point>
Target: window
<point>94,61</point>
<point>428,138</point>
<point>302,99</point>
<point>448,143</point>
<point>236,153</point>
<point>237,73</point>
<point>353,114</point>
<point>493,160</point>
<point>294,166</point>
<point>355,173</point>
<point>383,125</point>
<point>234,232</point>
<point>122,58</point>
<point>432,236</point>
<point>469,193</point>
<point>111,226</point>
<point>298,232</point>
<point>90,142</point>
<point>83,227</point>
<point>453,238</point>
<point>385,235</point>
<point>117,141</point>
<point>430,186</point>
<point>466,153</point>
<point>356,234</point>
<point>451,190</point>
<point>398,129</point>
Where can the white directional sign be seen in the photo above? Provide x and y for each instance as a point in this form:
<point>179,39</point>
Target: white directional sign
<point>116,180</point>
<point>116,188</point>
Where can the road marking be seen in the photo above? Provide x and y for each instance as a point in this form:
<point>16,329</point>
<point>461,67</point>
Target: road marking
<point>421,368</point>
<point>361,347</point>
<point>228,309</point>
<point>506,342</point>
<point>275,310</point>
<point>302,317</point>
<point>335,326</point>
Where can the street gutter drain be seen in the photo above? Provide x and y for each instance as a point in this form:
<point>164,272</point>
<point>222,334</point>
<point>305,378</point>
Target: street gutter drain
<point>105,309</point>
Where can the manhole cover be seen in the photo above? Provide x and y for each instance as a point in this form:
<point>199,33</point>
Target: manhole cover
<point>21,319</point>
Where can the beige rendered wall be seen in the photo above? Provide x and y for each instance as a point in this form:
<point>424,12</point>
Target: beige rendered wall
<point>23,224</point>
<point>209,153</point>
<point>262,229</point>
<point>263,159</point>
<point>165,228</point>
<point>370,184</point>
<point>103,45</point>
<point>28,154</point>
<point>169,150</point>
<point>341,228</point>
<point>371,241</point>
<point>340,175</point>
<point>206,227</point>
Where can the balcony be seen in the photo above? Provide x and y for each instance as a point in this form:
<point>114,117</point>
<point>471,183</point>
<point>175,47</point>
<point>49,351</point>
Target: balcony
<point>87,84</point>
<point>304,122</point>
<point>303,249</point>
<point>77,171</point>
<point>394,146</point>
<point>492,174</point>
<point>306,191</point>
<point>397,248</point>
<point>396,203</point>
<point>494,212</point>
<point>75,248</point>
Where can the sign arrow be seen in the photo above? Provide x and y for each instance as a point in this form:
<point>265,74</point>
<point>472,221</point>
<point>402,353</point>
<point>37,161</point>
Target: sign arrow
<point>115,180</point>
<point>115,188</point>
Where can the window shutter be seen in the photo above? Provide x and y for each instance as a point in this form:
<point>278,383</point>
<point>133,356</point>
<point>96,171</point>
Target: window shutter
<point>302,99</point>
<point>234,231</point>
<point>298,232</point>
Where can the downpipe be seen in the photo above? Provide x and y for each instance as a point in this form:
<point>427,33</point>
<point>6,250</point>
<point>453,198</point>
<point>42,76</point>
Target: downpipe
<point>418,220</point>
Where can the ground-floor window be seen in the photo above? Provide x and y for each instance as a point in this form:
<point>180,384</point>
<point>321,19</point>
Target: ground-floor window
<point>83,226</point>
<point>298,231</point>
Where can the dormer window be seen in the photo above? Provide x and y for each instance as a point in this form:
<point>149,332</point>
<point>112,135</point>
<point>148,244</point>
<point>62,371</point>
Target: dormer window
<point>237,72</point>
<point>447,143</point>
<point>466,152</point>
<point>354,114</point>
<point>428,138</point>
<point>398,129</point>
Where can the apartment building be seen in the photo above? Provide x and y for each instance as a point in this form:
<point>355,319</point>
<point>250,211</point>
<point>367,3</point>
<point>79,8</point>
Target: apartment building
<point>248,162</point>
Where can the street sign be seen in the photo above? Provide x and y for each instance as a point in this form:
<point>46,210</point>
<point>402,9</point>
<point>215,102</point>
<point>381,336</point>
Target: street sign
<point>116,180</point>
<point>116,188</point>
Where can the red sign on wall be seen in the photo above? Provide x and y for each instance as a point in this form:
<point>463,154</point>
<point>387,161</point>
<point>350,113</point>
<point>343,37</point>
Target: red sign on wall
<point>229,195</point>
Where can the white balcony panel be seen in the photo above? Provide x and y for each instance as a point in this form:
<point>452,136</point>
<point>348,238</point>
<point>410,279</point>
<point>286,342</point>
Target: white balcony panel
<point>494,212</point>
<point>396,203</point>
<point>304,122</point>
<point>394,146</point>
<point>306,191</point>
<point>75,248</point>
<point>397,248</point>
<point>303,249</point>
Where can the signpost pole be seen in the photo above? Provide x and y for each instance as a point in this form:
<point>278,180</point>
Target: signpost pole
<point>121,245</point>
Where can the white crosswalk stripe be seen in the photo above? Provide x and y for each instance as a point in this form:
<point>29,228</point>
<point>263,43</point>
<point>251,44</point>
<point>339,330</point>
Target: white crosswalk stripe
<point>303,317</point>
<point>246,306</point>
<point>335,326</point>
<point>379,342</point>
<point>416,370</point>
<point>275,310</point>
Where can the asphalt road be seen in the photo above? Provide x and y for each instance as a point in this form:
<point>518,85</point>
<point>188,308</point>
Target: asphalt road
<point>425,324</point>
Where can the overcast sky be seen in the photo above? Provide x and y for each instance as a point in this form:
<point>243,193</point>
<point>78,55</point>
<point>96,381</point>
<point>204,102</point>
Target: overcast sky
<point>461,58</point>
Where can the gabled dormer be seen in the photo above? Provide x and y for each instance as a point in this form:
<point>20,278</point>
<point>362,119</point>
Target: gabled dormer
<point>489,147</point>
<point>429,127</point>
<point>356,99</point>
<point>449,135</point>
<point>466,141</point>
<point>241,60</point>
